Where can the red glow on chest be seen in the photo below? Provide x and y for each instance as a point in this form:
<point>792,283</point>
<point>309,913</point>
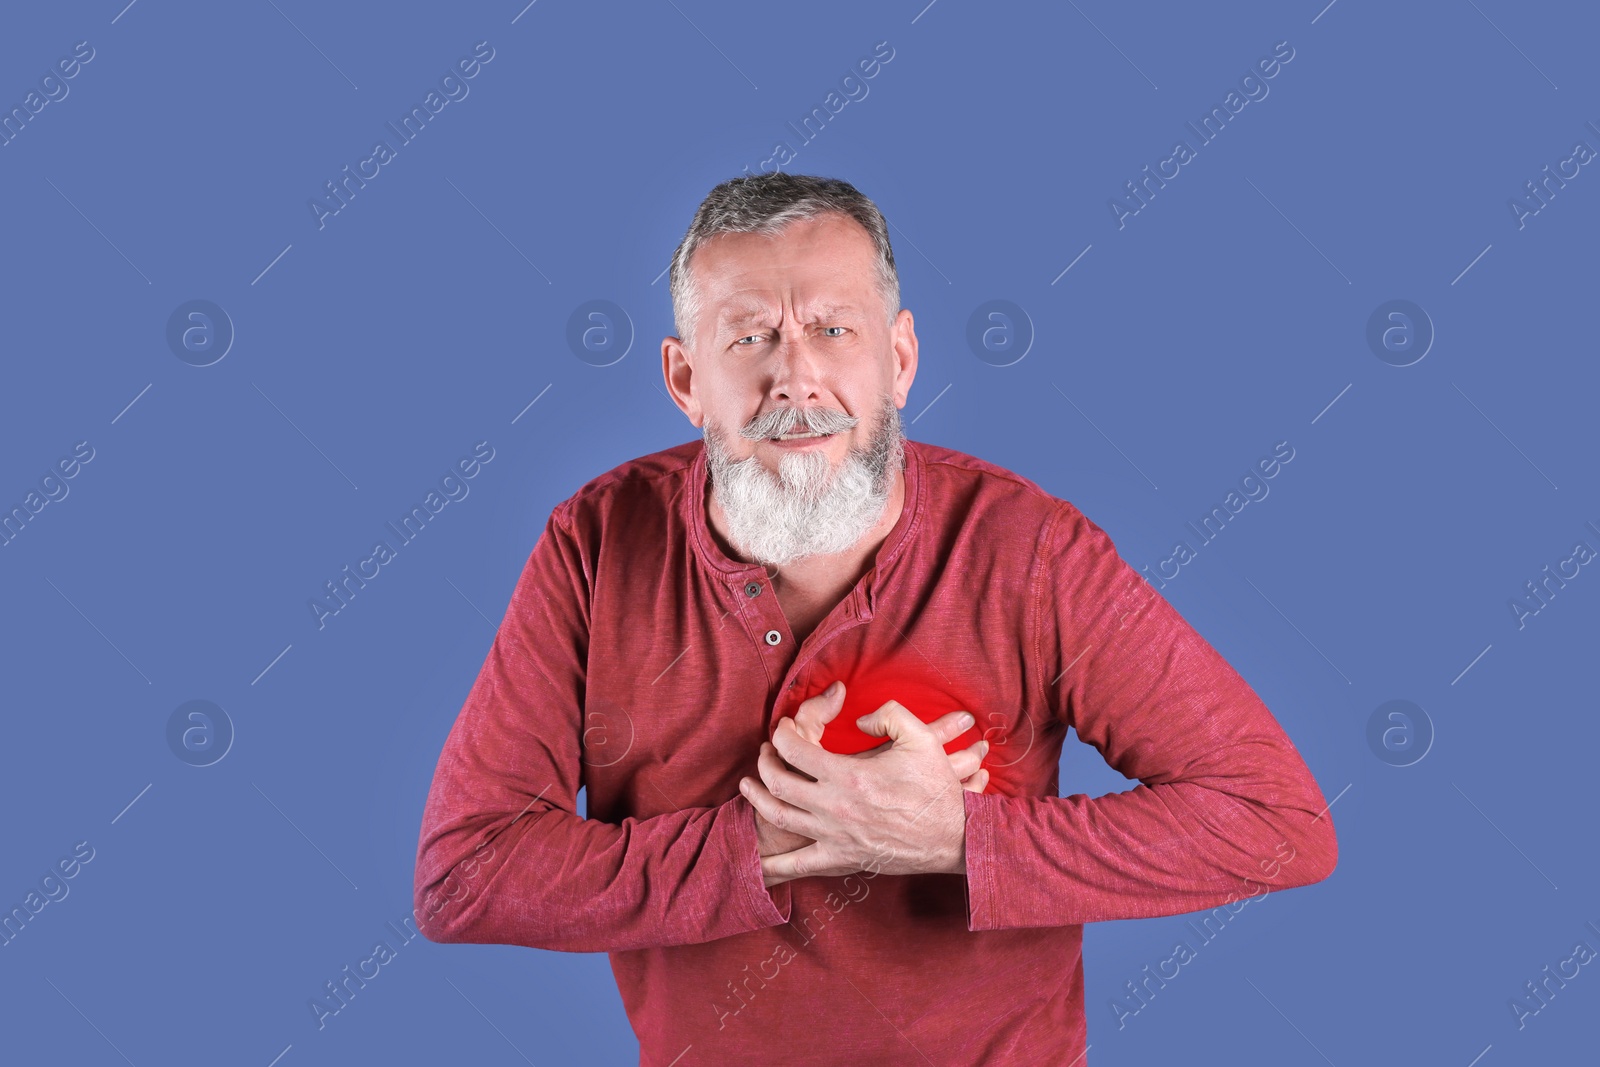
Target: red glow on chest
<point>865,692</point>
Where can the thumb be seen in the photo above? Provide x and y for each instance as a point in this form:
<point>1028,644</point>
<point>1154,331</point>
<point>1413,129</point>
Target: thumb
<point>816,712</point>
<point>893,720</point>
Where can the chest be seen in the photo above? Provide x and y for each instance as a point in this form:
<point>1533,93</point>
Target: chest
<point>688,673</point>
<point>804,611</point>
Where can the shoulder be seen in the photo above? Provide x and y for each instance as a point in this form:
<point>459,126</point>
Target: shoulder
<point>640,491</point>
<point>986,490</point>
<point>1013,517</point>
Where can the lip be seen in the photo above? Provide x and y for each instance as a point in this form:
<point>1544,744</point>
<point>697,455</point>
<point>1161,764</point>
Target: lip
<point>802,443</point>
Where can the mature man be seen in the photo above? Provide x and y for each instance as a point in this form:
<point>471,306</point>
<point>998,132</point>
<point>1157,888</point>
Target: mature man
<point>759,652</point>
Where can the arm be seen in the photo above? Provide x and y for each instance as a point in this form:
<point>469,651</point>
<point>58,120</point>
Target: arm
<point>1226,808</point>
<point>503,858</point>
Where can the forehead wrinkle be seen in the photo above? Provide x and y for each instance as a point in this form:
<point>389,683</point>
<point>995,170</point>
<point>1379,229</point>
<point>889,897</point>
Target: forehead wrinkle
<point>828,311</point>
<point>740,313</point>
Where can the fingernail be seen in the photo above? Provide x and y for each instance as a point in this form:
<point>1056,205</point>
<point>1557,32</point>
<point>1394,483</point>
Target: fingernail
<point>967,721</point>
<point>983,749</point>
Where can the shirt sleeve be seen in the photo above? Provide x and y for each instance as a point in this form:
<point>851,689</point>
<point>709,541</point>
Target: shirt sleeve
<point>503,858</point>
<point>1226,809</point>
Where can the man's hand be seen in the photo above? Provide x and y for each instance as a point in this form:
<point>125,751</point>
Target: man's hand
<point>816,712</point>
<point>771,841</point>
<point>820,710</point>
<point>901,800</point>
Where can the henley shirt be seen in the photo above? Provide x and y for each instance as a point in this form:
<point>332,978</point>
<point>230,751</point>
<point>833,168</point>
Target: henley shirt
<point>639,660</point>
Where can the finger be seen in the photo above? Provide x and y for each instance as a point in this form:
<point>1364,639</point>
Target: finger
<point>816,712</point>
<point>783,783</point>
<point>894,721</point>
<point>800,863</point>
<point>977,783</point>
<point>768,746</point>
<point>783,816</point>
<point>803,755</point>
<point>950,726</point>
<point>967,762</point>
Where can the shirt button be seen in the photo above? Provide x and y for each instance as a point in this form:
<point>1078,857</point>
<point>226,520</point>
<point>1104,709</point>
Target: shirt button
<point>773,637</point>
<point>753,589</point>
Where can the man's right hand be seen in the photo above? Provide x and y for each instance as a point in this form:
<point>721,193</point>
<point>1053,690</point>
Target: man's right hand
<point>818,711</point>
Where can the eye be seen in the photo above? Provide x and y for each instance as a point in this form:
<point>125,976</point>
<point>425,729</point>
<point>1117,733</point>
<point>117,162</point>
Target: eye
<point>841,329</point>
<point>751,337</point>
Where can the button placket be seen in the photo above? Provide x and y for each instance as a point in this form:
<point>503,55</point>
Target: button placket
<point>773,636</point>
<point>817,642</point>
<point>747,607</point>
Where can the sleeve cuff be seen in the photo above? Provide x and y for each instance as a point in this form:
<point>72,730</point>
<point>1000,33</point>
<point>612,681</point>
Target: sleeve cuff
<point>767,906</point>
<point>983,898</point>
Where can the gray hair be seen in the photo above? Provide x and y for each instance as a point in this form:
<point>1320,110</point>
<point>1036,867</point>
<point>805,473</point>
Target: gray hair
<point>765,204</point>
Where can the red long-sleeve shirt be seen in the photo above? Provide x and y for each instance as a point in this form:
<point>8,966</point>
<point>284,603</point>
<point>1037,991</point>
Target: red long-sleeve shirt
<point>638,659</point>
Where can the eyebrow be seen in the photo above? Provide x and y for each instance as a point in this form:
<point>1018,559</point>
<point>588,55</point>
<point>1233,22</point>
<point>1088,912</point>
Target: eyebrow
<point>741,314</point>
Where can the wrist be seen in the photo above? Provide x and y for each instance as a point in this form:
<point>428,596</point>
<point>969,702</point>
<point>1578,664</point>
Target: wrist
<point>957,863</point>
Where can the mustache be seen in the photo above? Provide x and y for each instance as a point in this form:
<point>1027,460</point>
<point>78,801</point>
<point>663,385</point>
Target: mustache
<point>787,420</point>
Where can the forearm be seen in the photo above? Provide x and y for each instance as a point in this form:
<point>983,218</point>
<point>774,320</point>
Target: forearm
<point>1154,850</point>
<point>549,879</point>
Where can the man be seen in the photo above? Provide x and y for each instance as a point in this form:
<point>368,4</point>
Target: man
<point>758,653</point>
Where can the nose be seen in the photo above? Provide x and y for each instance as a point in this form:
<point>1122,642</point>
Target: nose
<point>796,370</point>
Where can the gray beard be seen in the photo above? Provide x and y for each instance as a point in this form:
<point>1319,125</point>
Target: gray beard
<point>805,509</point>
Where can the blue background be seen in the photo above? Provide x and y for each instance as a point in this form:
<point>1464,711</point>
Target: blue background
<point>370,354</point>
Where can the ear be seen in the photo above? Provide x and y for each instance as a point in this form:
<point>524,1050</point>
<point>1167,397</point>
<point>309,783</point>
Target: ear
<point>904,337</point>
<point>678,371</point>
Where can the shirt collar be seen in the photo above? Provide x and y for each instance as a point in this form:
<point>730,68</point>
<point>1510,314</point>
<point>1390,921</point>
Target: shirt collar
<point>697,490</point>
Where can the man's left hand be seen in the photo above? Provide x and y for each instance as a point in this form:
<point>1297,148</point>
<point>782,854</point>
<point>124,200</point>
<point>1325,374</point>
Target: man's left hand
<point>895,810</point>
